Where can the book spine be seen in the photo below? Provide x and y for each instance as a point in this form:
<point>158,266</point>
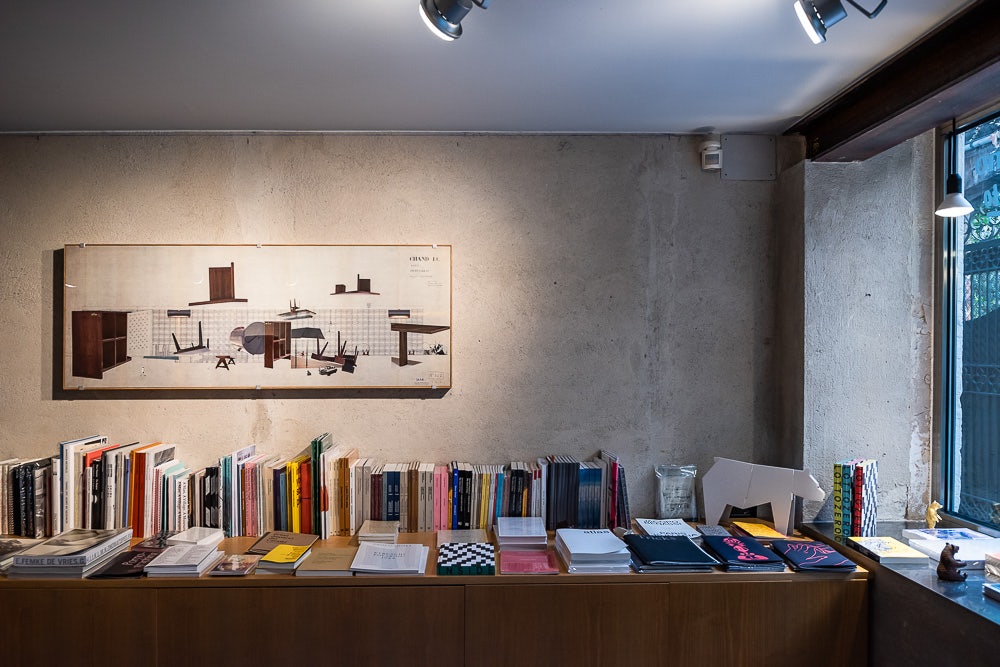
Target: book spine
<point>838,501</point>
<point>869,501</point>
<point>306,501</point>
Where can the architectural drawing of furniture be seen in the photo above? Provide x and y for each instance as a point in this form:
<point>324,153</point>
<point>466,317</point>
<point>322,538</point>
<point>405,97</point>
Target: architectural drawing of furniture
<point>364,287</point>
<point>277,342</point>
<point>403,328</point>
<point>221,286</point>
<point>100,342</point>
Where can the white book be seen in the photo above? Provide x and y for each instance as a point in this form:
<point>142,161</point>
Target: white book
<point>68,451</point>
<point>516,530</point>
<point>666,527</point>
<point>973,552</point>
<point>943,534</point>
<point>390,559</point>
<point>184,560</point>
<point>199,535</point>
<point>592,546</point>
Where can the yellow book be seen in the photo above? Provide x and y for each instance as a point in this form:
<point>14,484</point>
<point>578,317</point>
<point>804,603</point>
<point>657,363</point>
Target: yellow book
<point>285,553</point>
<point>294,494</point>
<point>759,530</point>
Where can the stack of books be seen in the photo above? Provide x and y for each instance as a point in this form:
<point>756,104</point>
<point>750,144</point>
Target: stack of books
<point>667,553</point>
<point>521,533</point>
<point>376,558</point>
<point>386,532</point>
<point>528,562</point>
<point>810,555</point>
<point>743,554</point>
<point>184,560</point>
<point>74,554</point>
<point>592,551</point>
<point>10,547</point>
<point>281,551</point>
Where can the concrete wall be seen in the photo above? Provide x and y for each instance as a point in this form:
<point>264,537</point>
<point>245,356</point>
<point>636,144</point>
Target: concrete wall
<point>607,293</point>
<point>868,259</point>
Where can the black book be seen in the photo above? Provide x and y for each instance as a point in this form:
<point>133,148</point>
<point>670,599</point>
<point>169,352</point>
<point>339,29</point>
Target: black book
<point>211,514</point>
<point>812,555</point>
<point>739,553</point>
<point>667,553</point>
<point>128,564</point>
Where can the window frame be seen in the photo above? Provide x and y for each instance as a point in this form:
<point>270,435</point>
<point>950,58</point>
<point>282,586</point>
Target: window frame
<point>947,235</point>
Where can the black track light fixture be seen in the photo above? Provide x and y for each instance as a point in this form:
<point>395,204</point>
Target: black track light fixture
<point>444,17</point>
<point>818,16</point>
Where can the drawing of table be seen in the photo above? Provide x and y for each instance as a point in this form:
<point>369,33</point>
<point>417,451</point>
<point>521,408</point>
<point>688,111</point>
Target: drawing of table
<point>405,329</point>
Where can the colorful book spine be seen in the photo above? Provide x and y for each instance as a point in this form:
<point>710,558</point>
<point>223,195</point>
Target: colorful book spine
<point>865,506</point>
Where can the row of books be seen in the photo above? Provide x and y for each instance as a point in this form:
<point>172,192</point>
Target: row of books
<point>325,489</point>
<point>855,498</point>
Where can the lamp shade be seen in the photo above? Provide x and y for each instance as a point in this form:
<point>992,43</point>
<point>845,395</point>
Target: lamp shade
<point>444,17</point>
<point>818,16</point>
<point>954,204</point>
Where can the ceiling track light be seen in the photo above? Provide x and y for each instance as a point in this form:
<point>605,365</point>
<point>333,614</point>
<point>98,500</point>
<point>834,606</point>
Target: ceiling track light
<point>818,16</point>
<point>954,204</point>
<point>444,17</point>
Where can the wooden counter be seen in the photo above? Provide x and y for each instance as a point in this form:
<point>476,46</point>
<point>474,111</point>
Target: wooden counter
<point>714,619</point>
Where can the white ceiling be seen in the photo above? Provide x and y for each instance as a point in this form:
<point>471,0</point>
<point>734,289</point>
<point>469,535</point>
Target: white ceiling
<point>589,66</point>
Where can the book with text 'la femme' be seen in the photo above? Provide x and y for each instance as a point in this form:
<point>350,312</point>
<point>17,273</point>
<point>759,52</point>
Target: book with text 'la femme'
<point>668,553</point>
<point>743,554</point>
<point>812,556</point>
<point>887,550</point>
<point>80,546</point>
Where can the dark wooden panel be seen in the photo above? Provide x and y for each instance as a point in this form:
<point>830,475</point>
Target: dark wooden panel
<point>575,624</point>
<point>770,624</point>
<point>80,626</point>
<point>392,625</point>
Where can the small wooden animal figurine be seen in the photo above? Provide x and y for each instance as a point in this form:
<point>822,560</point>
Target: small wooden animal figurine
<point>948,565</point>
<point>932,515</point>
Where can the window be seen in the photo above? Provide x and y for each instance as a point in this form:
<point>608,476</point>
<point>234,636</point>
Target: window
<point>970,345</point>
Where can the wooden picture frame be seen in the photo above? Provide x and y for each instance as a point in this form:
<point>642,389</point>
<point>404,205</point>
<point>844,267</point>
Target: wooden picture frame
<point>256,316</point>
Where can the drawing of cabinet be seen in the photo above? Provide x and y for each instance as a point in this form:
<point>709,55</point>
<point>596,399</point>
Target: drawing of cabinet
<point>100,342</point>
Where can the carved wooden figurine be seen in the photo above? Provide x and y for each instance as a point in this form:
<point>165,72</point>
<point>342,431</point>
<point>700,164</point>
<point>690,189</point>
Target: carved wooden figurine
<point>948,565</point>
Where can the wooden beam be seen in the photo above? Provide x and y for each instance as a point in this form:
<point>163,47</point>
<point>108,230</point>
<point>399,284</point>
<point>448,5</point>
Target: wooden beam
<point>950,72</point>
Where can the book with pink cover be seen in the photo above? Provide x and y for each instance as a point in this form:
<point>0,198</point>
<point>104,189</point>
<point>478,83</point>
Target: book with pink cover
<point>528,562</point>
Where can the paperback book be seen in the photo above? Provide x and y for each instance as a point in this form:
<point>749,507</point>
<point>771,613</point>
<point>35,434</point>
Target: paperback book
<point>528,562</point>
<point>592,551</point>
<point>328,562</point>
<point>973,552</point>
<point>283,559</point>
<point>743,554</point>
<point>10,547</point>
<point>126,565</point>
<point>668,553</point>
<point>992,591</point>
<point>76,547</point>
<point>666,527</point>
<point>943,534</point>
<point>235,565</point>
<point>390,559</point>
<point>810,555</point>
<point>183,560</point>
<point>275,538</point>
<point>888,550</point>
<point>197,535</point>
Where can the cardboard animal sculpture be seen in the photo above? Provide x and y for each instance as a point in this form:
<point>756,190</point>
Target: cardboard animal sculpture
<point>949,566</point>
<point>729,483</point>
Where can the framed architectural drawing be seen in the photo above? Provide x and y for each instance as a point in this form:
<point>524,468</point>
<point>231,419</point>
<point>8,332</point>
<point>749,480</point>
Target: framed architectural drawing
<point>255,317</point>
